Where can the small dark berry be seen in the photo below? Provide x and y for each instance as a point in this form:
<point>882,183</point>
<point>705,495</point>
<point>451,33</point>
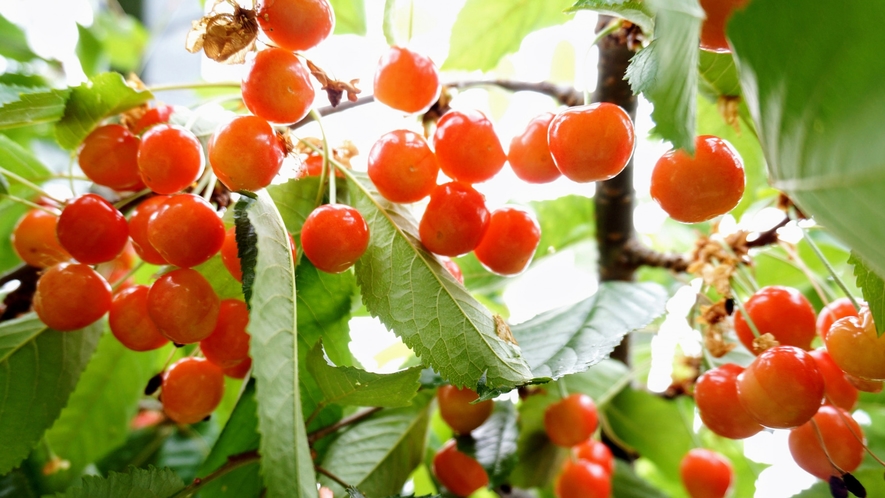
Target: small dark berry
<point>854,486</point>
<point>837,487</point>
<point>729,306</point>
<point>153,384</point>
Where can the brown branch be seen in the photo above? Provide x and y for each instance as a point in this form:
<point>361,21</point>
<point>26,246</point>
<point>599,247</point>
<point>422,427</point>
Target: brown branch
<point>332,476</point>
<point>636,254</point>
<point>356,417</point>
<point>233,462</point>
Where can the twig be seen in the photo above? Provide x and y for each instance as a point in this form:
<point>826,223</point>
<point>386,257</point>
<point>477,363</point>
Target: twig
<point>356,417</point>
<point>233,462</point>
<point>637,254</point>
<point>332,477</point>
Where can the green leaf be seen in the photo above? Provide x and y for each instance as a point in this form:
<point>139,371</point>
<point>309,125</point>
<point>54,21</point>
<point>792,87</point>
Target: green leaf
<point>870,478</point>
<point>718,75</point>
<point>16,484</point>
<point>539,460</point>
<point>295,199</point>
<point>220,279</point>
<point>350,17</point>
<point>93,60</point>
<point>378,454</point>
<point>493,444</point>
<point>351,386</point>
<point>286,463</point>
<point>97,416</point>
<point>103,95</point>
<point>818,111</point>
<point>14,43</point>
<point>572,338</point>
<point>389,22</point>
<point>413,295</point>
<point>602,381</point>
<point>4,184</point>
<point>137,483</point>
<point>487,30</point>
<point>39,369</point>
<point>626,484</point>
<point>666,71</point>
<point>635,11</point>
<point>25,106</point>
<point>123,38</point>
<point>873,288</point>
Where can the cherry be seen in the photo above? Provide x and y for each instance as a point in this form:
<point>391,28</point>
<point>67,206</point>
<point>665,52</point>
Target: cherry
<point>510,241</point>
<point>192,389</point>
<point>334,236</point>
<point>837,389</point>
<point>295,24</point>
<point>455,220</point>
<point>453,268</point>
<point>228,345</point>
<point>865,385</point>
<point>694,189</point>
<point>239,370</point>
<point>246,153</point>
<point>230,253</point>
<point>313,166</point>
<point>154,116</point>
<point>109,157</point>
<point>782,388</point>
<point>71,296</point>
<point>529,154</point>
<point>706,474</point>
<point>713,29</point>
<point>839,433</point>
<point>781,311</point>
<point>169,158</point>
<point>130,323</point>
<point>595,451</point>
<point>35,241</point>
<point>113,271</point>
<point>591,143</point>
<point>92,230</point>
<point>571,420</point>
<point>856,347</point>
<point>186,230</point>
<point>406,80</point>
<point>720,409</point>
<point>277,87</point>
<point>138,230</point>
<point>583,479</point>
<point>458,410</point>
<point>184,306</point>
<point>840,308</point>
<point>403,167</point>
<point>467,147</point>
<point>460,473</point>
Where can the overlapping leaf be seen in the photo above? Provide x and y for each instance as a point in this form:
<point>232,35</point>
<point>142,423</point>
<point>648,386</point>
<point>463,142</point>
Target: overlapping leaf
<point>14,43</point>
<point>719,75</point>
<point>23,106</point>
<point>137,483</point>
<point>350,17</point>
<point>635,11</point>
<point>873,288</point>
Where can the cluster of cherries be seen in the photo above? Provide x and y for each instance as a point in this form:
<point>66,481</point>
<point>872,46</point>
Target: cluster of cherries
<point>791,386</point>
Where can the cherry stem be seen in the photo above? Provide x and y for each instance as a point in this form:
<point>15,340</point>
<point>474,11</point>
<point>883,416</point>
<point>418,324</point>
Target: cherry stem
<point>30,204</point>
<point>829,267</point>
<point>563,390</point>
<point>141,193</point>
<point>332,476</point>
<point>740,304</point>
<point>356,417</point>
<point>793,253</point>
<point>233,462</point>
<point>116,285</point>
<point>803,269</point>
<point>210,186</point>
<point>859,439</point>
<point>327,165</point>
<point>315,413</point>
<point>820,440</point>
<point>193,86</point>
<point>411,19</point>
<point>29,184</point>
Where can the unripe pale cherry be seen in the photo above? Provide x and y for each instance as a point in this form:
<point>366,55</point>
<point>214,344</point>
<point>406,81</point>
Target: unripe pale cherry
<point>855,346</point>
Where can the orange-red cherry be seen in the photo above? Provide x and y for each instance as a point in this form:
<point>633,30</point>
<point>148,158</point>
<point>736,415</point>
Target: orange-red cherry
<point>184,306</point>
<point>402,166</point>
<point>186,230</point>
<point>529,155</point>
<point>841,435</point>
<point>595,451</point>
<point>571,421</point>
<point>840,308</point>
<point>591,143</point>
<point>510,241</point>
<point>467,147</point>
<point>192,389</point>
<point>246,153</point>
<point>455,220</point>
<point>130,323</point>
<point>583,479</point>
<point>92,230</point>
<point>277,86</point>
<point>838,390</point>
<point>706,474</point>
<point>406,80</point>
<point>138,230</point>
<point>334,236</point>
<point>169,158</point>
<point>228,345</point>
<point>153,116</point>
<point>460,473</point>
<point>35,241</point>
<point>109,157</point>
<point>295,24</point>
<point>720,409</point>
<point>239,370</point>
<point>71,296</point>
<point>453,268</point>
<point>855,346</point>
<point>698,188</point>
<point>780,311</point>
<point>458,410</point>
<point>713,29</point>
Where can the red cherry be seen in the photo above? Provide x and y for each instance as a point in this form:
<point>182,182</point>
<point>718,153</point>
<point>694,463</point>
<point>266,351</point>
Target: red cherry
<point>856,347</point>
<point>461,474</point>
<point>840,308</point>
<point>781,311</point>
<point>246,153</point>
<point>228,345</point>
<point>154,116</point>
<point>571,421</point>
<point>840,435</point>
<point>583,479</point>
<point>295,24</point>
<point>591,143</point>
<point>403,167</point>
<point>698,188</point>
<point>130,323</point>
<point>458,410</point>
<point>406,80</point>
<point>453,268</point>
<point>277,87</point>
<point>713,29</point>
<point>597,452</point>
<point>230,254</point>
<point>169,158</point>
<point>455,220</point>
<point>334,236</point>
<point>184,306</point>
<point>35,241</point>
<point>109,157</point>
<point>467,147</point>
<point>186,230</point>
<point>239,370</point>
<point>782,388</point>
<point>138,230</point>
<point>71,296</point>
<point>529,154</point>
<point>192,389</point>
<point>706,474</point>
<point>839,391</point>
<point>720,409</point>
<point>113,271</point>
<point>510,241</point>
<point>92,230</point>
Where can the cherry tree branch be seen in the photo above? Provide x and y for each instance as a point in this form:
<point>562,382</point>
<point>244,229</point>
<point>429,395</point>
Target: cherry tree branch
<point>356,417</point>
<point>233,462</point>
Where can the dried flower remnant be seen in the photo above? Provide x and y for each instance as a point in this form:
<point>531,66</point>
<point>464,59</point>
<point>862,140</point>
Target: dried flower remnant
<point>334,88</point>
<point>224,37</point>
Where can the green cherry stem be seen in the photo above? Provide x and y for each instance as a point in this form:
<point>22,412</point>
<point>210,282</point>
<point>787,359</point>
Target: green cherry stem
<point>829,267</point>
<point>210,186</point>
<point>29,184</point>
<point>30,204</point>
<point>327,165</point>
<point>193,86</point>
<point>141,193</point>
<point>740,304</point>
<point>116,285</point>
<point>563,390</point>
